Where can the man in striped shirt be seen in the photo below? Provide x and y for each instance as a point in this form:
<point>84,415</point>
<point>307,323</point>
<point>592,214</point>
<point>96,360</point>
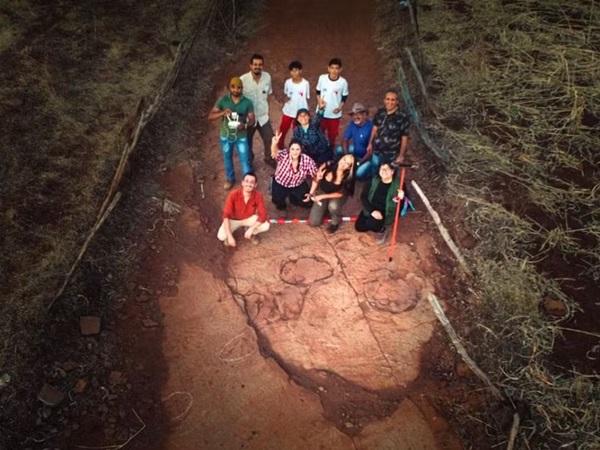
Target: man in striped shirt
<point>293,169</point>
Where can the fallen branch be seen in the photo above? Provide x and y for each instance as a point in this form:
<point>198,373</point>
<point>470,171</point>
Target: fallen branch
<point>93,232</point>
<point>417,73</point>
<point>443,231</point>
<point>441,316</point>
<point>513,432</point>
<point>442,154</point>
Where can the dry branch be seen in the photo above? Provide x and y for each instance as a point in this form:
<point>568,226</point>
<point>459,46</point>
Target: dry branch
<point>513,431</point>
<point>410,104</point>
<point>441,316</point>
<point>93,232</point>
<point>443,231</point>
<point>417,73</point>
<point>144,115</point>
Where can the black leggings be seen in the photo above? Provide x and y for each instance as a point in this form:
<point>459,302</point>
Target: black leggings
<point>368,223</point>
<point>280,193</point>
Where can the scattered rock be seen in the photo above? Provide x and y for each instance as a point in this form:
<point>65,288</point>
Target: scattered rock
<point>149,323</point>
<point>170,207</point>
<point>68,366</point>
<point>554,307</point>
<point>89,325</point>
<point>462,369</point>
<point>143,297</point>
<point>51,396</point>
<point>4,380</point>
<point>46,412</point>
<point>116,377</point>
<point>349,425</point>
<point>80,386</point>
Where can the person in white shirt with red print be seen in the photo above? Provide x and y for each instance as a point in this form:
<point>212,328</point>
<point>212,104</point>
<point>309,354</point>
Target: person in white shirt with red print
<point>333,89</point>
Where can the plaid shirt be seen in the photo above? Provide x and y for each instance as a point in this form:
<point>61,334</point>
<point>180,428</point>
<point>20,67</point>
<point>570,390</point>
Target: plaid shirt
<point>286,176</point>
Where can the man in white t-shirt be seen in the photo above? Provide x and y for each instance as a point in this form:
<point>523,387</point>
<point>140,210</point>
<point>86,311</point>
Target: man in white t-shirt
<point>297,92</point>
<point>257,87</point>
<point>333,89</point>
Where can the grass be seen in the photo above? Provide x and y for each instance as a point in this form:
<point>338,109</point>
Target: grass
<point>76,73</point>
<point>516,85</point>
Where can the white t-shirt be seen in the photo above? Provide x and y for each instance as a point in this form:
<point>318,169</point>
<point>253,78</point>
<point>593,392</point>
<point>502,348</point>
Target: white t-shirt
<point>298,94</point>
<point>332,92</point>
<point>258,93</point>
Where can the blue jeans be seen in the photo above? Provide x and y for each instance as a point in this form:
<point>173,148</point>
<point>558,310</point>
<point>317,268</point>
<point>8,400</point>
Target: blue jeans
<point>339,150</point>
<point>241,145</point>
<point>369,168</point>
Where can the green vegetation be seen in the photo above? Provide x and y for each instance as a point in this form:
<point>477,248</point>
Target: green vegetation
<point>516,87</point>
<point>73,74</point>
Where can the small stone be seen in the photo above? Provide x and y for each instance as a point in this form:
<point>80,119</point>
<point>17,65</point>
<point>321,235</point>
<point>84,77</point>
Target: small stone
<point>80,386</point>
<point>67,366</point>
<point>349,425</point>
<point>143,297</point>
<point>89,325</point>
<point>149,323</point>
<point>46,412</point>
<point>4,380</point>
<point>51,396</point>
<point>554,307</point>
<point>462,369</point>
<point>116,377</point>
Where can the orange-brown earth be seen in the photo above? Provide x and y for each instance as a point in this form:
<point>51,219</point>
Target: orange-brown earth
<point>308,340</point>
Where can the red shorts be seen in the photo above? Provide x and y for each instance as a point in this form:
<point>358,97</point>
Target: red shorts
<point>284,126</point>
<point>331,127</point>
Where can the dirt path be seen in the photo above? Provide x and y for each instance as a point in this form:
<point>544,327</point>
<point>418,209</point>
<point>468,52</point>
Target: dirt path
<point>308,340</point>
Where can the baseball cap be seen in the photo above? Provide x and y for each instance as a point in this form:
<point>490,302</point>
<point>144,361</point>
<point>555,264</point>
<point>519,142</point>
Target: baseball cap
<point>358,107</point>
<point>302,110</point>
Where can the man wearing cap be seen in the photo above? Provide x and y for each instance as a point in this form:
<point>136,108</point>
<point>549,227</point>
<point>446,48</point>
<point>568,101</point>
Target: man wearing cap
<point>257,87</point>
<point>237,114</point>
<point>308,132</point>
<point>356,138</point>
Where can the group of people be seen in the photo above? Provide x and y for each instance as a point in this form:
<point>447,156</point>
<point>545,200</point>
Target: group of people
<point>313,170</point>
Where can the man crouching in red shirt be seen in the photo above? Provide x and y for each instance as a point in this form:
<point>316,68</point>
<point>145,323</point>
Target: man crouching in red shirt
<point>244,207</point>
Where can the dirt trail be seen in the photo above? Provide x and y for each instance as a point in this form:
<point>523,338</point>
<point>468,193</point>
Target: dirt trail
<point>308,340</point>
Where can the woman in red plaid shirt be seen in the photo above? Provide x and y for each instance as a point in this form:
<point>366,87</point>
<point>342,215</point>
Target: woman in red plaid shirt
<point>293,169</point>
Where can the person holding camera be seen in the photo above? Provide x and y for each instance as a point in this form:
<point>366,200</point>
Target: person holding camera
<point>237,114</point>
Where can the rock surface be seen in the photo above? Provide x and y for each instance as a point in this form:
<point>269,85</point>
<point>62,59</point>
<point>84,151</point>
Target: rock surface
<point>335,304</point>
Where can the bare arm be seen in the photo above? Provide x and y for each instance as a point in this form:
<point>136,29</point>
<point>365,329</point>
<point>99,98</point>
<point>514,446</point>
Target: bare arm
<point>251,119</point>
<point>371,139</point>
<point>274,147</point>
<point>403,148</point>
<point>228,234</point>
<point>217,113</point>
